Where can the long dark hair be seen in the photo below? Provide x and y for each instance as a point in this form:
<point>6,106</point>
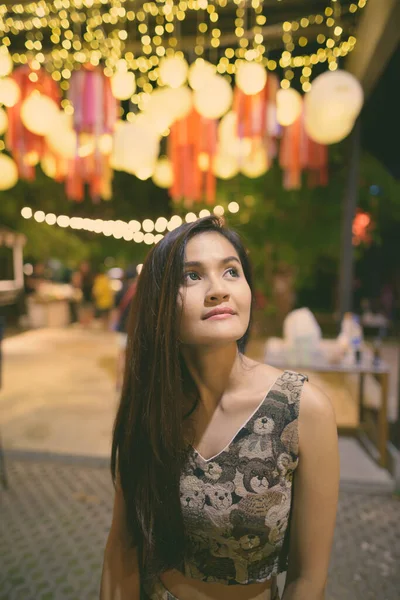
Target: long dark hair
<point>148,447</point>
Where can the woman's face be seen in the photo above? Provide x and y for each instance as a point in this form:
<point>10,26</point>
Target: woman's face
<point>213,280</point>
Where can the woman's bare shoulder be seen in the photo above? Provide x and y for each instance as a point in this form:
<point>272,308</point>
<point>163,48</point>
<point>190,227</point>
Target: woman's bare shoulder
<point>315,404</point>
<point>260,375</point>
<point>316,414</point>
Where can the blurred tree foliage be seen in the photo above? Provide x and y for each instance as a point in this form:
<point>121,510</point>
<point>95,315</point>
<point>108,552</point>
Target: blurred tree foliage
<point>297,230</point>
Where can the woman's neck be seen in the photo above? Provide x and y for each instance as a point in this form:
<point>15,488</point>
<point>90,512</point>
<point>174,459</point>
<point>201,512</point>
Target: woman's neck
<point>214,370</point>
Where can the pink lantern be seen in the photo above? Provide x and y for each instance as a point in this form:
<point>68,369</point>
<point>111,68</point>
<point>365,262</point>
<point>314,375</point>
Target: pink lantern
<point>95,114</point>
<point>27,147</point>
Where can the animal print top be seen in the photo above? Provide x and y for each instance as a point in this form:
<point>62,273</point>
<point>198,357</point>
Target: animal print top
<point>237,505</point>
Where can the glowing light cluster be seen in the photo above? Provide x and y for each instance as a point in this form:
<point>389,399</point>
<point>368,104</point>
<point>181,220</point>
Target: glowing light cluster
<point>148,231</point>
<point>106,28</point>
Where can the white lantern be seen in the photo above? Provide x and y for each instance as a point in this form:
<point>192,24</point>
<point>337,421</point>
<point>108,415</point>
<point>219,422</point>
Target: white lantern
<point>251,77</point>
<point>199,73</point>
<point>106,144</point>
<point>3,121</point>
<point>136,147</point>
<point>163,175</point>
<point>215,99</point>
<point>8,172</point>
<point>173,71</point>
<point>123,85</point>
<point>6,63</point>
<point>180,101</point>
<point>158,111</point>
<point>9,92</point>
<point>225,166</point>
<point>336,93</point>
<point>229,142</point>
<point>61,139</point>
<point>256,164</point>
<point>326,130</point>
<point>39,113</point>
<point>289,105</point>
<point>144,171</point>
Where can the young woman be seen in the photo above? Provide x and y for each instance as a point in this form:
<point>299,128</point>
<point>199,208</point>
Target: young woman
<point>226,470</point>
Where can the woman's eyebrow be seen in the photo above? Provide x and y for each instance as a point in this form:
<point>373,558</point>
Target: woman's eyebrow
<point>197,263</point>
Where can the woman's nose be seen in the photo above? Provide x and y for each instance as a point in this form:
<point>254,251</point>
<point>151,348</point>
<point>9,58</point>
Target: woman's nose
<point>217,296</point>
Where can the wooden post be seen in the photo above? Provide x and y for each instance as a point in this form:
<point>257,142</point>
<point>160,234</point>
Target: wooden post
<point>349,209</point>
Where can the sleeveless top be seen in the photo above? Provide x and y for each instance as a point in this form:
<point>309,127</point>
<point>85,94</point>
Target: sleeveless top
<point>236,505</point>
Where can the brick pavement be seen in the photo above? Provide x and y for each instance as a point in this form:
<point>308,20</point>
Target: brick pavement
<point>55,518</point>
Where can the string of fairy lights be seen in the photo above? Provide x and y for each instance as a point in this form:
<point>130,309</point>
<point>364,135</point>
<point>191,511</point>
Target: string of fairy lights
<point>62,35</point>
<point>148,231</point>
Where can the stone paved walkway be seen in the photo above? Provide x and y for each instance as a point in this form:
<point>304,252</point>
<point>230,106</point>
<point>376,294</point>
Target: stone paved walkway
<point>55,519</point>
<point>58,399</point>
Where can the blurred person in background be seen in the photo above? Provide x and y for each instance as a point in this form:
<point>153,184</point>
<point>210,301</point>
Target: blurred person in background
<point>32,282</point>
<point>120,317</point>
<point>209,444</point>
<point>103,297</point>
<point>84,279</point>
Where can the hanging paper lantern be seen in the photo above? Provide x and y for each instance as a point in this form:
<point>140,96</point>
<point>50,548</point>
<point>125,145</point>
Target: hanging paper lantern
<point>180,101</point>
<point>166,105</point>
<point>332,106</point>
<point>225,166</point>
<point>6,63</point>
<point>199,73</point>
<point>251,77</point>
<point>192,147</point>
<point>10,92</point>
<point>123,85</point>
<point>229,143</point>
<point>298,153</point>
<point>136,145</point>
<point>256,164</point>
<point>256,126</point>
<point>39,113</point>
<point>62,139</point>
<point>173,71</point>
<point>106,144</point>
<point>215,99</point>
<point>289,105</point>
<point>38,102</point>
<point>327,130</point>
<point>144,172</point>
<point>158,110</point>
<point>95,114</point>
<point>163,175</point>
<point>3,121</point>
<point>336,93</point>
<point>8,172</point>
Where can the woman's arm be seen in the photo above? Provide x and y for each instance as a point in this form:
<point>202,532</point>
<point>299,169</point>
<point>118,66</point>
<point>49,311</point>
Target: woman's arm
<point>120,579</point>
<point>316,487</point>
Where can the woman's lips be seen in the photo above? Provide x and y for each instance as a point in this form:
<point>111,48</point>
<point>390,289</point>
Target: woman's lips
<point>219,317</point>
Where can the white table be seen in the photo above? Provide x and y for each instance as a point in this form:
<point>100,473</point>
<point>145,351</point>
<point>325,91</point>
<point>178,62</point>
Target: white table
<point>280,355</point>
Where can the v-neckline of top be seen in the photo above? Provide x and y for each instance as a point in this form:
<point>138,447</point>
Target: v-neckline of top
<point>207,460</point>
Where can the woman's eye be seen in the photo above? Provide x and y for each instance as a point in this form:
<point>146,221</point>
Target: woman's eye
<point>191,275</point>
<point>234,272</point>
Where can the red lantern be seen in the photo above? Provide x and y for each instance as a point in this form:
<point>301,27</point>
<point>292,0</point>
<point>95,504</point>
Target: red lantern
<point>26,147</point>
<point>192,148</point>
<point>256,115</point>
<point>299,153</point>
